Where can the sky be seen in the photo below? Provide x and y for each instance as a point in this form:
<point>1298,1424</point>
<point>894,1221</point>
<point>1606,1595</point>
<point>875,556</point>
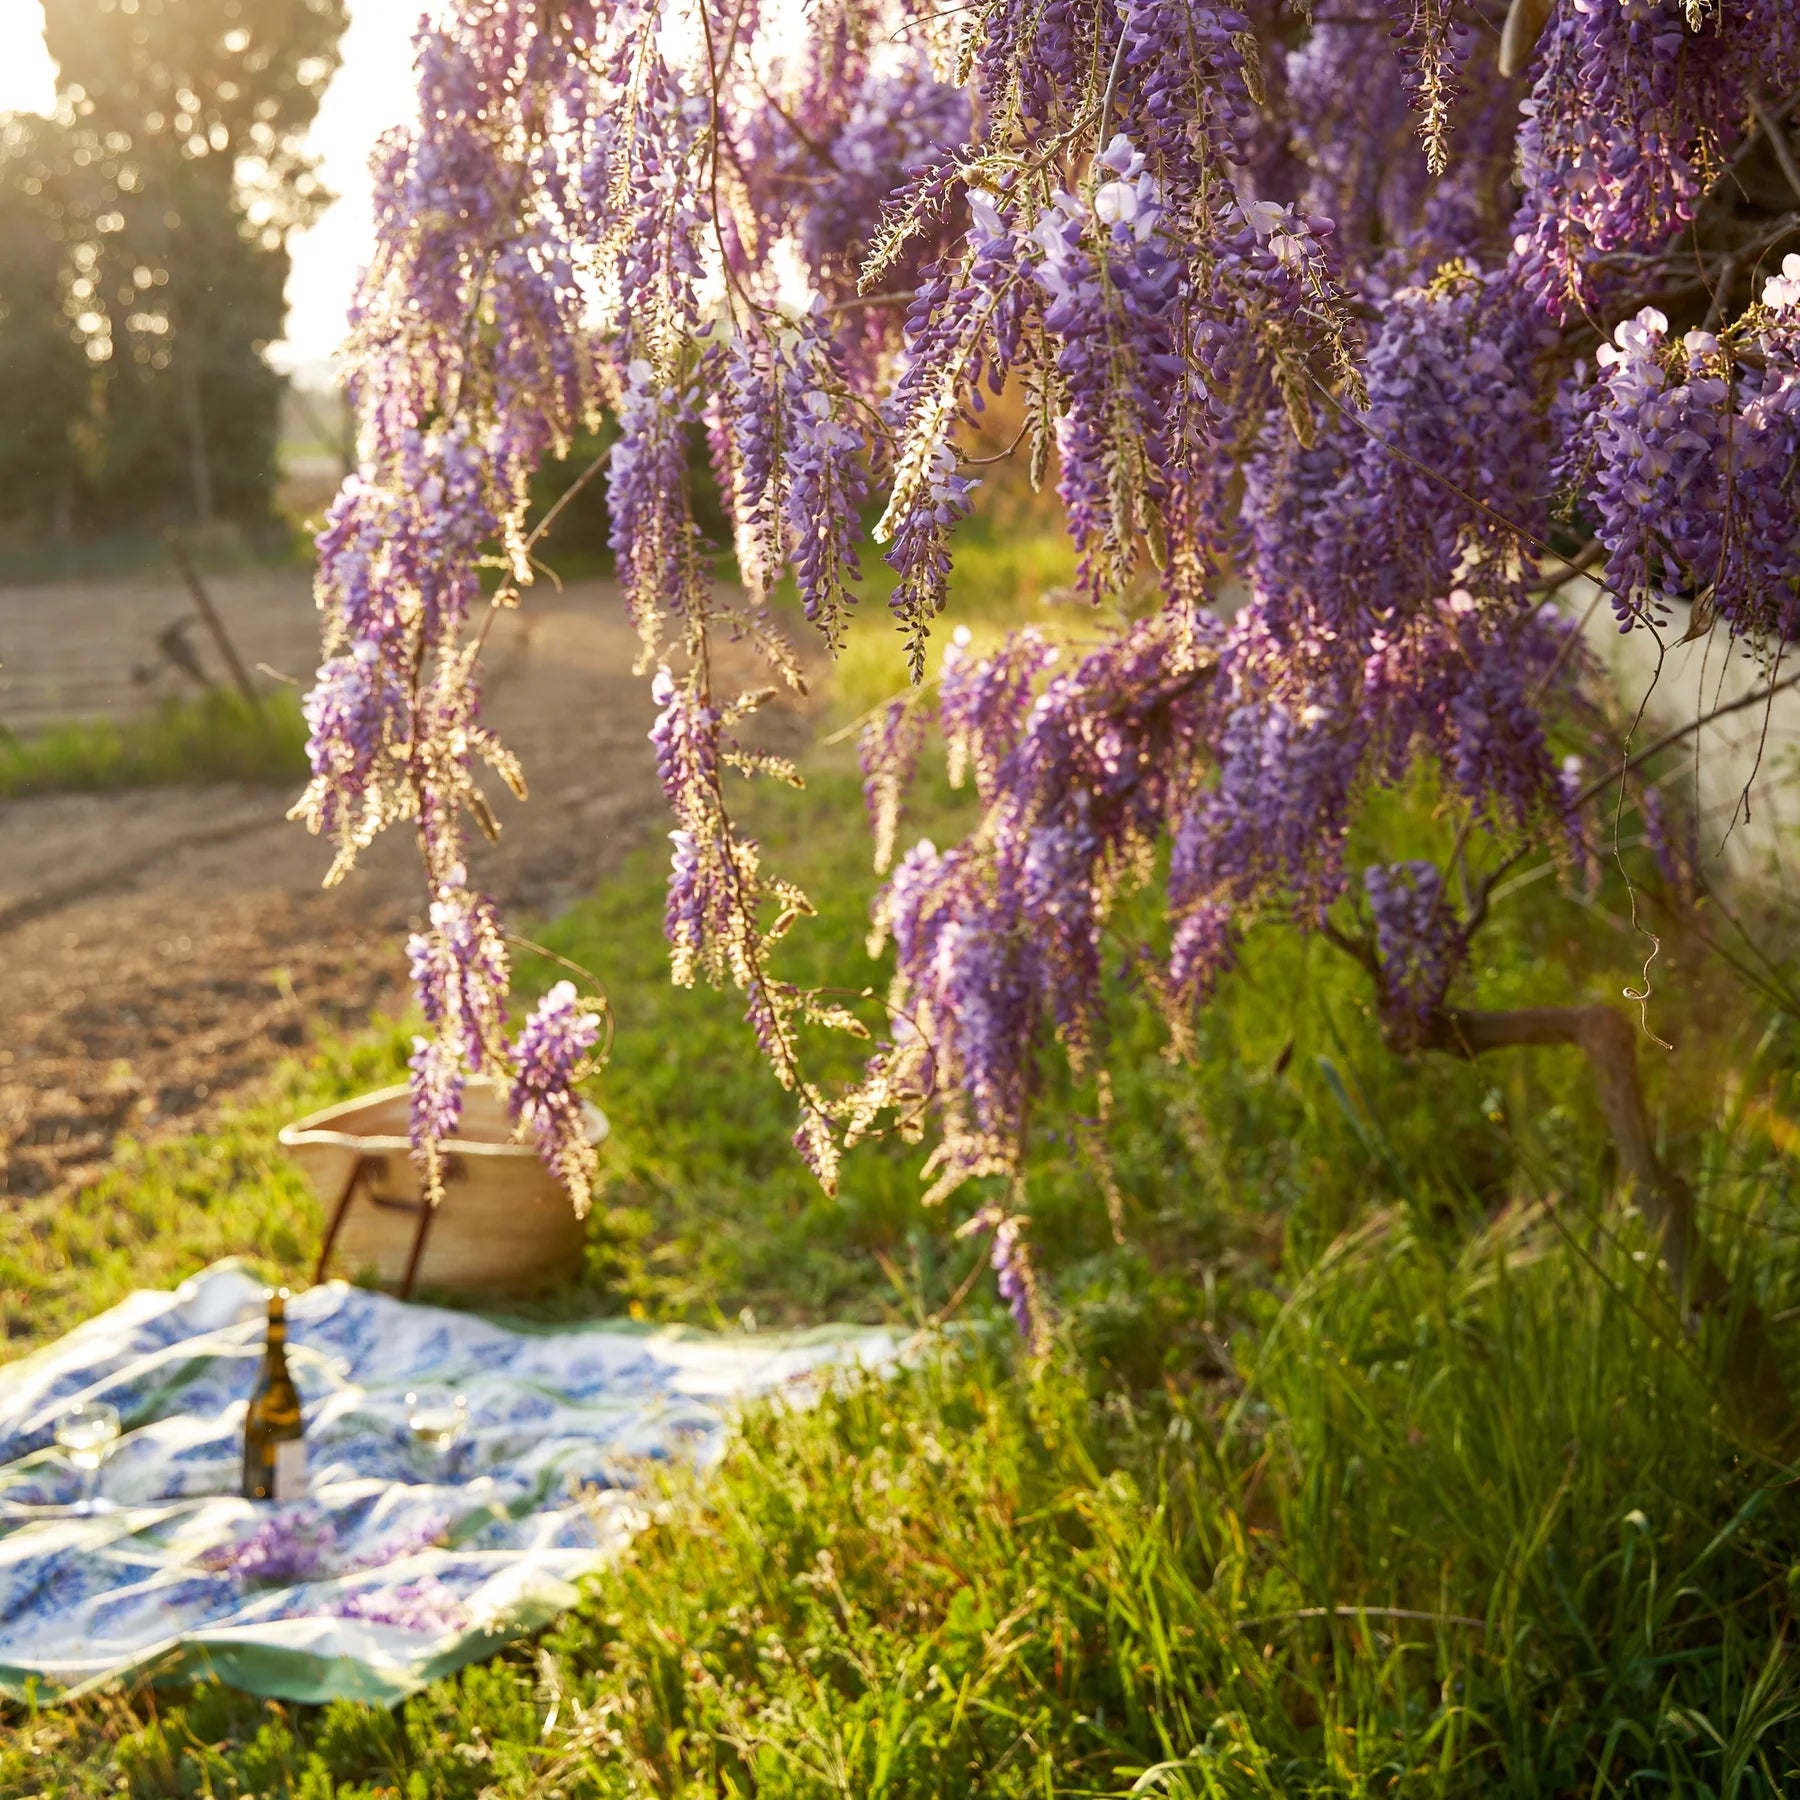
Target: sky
<point>371,91</point>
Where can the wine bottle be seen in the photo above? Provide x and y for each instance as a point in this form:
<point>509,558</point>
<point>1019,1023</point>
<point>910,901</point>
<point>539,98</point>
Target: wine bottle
<point>274,1447</point>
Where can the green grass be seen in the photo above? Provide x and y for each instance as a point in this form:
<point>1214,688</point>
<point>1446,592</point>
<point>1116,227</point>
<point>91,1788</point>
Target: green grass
<point>1372,1461</point>
<point>163,1210</point>
<point>218,737</point>
<point>1008,572</point>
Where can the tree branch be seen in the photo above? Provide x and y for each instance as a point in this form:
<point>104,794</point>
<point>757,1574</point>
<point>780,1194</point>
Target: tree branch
<point>1775,132</point>
<point>1665,1200</point>
<point>1757,696</point>
<point>1525,22</point>
<point>1484,888</point>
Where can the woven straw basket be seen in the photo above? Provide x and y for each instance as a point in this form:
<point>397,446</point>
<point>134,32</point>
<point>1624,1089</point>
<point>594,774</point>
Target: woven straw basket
<point>504,1226</point>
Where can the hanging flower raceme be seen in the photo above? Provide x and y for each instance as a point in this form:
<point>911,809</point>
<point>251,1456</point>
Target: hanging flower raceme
<point>1418,940</point>
<point>1692,455</point>
<point>889,750</point>
<point>656,544</point>
<point>825,179</point>
<point>396,581</point>
<point>794,468</point>
<point>1191,80</point>
<point>703,916</point>
<point>985,704</point>
<point>954,329</point>
<point>1003,934</point>
<point>468,368</point>
<point>1435,480</point>
<point>1469,684</point>
<point>553,1055</point>
<point>1272,823</point>
<point>964,985</point>
<point>826,484</point>
<point>1015,1274</point>
<point>1111,284</point>
<point>355,718</point>
<point>1634,109</point>
<point>744,433</point>
<point>460,971</point>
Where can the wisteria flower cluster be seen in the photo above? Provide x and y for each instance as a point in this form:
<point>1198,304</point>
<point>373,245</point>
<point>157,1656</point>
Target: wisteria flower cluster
<point>1633,113</point>
<point>300,1543</point>
<point>424,1606</point>
<point>1348,347</point>
<point>1417,937</point>
<point>1693,444</point>
<point>553,1054</point>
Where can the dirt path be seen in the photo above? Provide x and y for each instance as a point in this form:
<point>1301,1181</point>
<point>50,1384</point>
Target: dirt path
<point>160,948</point>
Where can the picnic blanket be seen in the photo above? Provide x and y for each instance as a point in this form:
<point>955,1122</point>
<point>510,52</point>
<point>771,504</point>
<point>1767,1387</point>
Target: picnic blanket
<point>401,1563</point>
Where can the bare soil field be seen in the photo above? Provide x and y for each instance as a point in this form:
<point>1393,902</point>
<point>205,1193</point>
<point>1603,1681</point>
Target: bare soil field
<point>160,948</point>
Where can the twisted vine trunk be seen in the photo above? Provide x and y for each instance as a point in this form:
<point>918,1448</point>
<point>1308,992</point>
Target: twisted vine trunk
<point>1606,1038</point>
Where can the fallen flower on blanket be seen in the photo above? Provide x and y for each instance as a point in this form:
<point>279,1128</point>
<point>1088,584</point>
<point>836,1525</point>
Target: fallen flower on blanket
<point>286,1548</point>
<point>299,1545</point>
<point>429,1533</point>
<point>425,1606</point>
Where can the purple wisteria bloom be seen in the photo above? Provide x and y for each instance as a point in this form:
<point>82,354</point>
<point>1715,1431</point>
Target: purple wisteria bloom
<point>1111,283</point>
<point>1417,937</point>
<point>552,1055</point>
<point>425,1607</point>
<point>1692,457</point>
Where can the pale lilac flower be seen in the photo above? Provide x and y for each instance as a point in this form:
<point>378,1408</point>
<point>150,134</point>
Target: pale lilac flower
<point>552,1055</point>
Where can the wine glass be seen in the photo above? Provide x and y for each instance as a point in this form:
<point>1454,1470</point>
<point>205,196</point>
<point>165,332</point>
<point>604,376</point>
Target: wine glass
<point>436,1420</point>
<point>85,1434</point>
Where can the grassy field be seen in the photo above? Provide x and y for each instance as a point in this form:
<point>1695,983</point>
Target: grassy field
<point>1373,1460</point>
<point>217,737</point>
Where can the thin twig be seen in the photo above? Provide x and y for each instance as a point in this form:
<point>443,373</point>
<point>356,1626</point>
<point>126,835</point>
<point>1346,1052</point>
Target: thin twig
<point>1112,88</point>
<point>932,18</point>
<point>1773,130</point>
<point>1485,892</point>
<point>1778,114</point>
<point>859,301</point>
<point>1758,698</point>
<point>977,462</point>
<point>1584,559</point>
<point>849,731</point>
<point>965,1289</point>
<point>508,590</point>
<point>184,564</point>
<point>567,495</point>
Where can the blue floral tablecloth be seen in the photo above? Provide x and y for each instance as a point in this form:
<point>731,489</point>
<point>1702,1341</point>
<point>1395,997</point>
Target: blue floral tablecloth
<point>401,1564</point>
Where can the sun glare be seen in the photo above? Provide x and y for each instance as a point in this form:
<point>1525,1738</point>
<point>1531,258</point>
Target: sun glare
<point>27,75</point>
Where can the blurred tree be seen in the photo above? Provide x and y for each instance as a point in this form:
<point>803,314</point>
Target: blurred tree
<point>47,389</point>
<point>152,214</point>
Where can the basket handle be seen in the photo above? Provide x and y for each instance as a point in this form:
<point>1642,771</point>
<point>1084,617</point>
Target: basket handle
<point>359,1175</point>
<point>361,1172</point>
<point>450,1166</point>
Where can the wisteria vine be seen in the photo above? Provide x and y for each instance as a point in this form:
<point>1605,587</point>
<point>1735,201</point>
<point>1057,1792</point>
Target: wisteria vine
<point>1345,347</point>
